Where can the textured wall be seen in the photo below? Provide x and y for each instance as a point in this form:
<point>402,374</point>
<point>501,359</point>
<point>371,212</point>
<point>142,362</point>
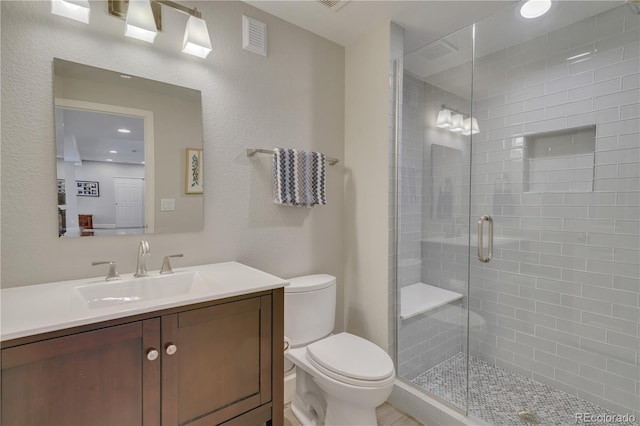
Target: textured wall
<point>292,98</point>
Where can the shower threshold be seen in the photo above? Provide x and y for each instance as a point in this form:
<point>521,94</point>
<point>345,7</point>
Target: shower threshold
<point>498,396</point>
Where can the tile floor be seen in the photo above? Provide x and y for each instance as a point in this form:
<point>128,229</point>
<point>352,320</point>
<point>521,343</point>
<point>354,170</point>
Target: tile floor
<point>496,394</point>
<point>387,414</point>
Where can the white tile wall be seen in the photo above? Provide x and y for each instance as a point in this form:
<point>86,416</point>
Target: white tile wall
<point>561,297</point>
<point>568,314</point>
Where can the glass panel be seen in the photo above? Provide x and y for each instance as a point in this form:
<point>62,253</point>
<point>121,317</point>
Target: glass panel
<point>556,311</point>
<point>434,161</point>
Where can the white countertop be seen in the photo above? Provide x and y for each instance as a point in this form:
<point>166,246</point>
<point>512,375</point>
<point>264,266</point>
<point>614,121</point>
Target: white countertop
<point>54,306</point>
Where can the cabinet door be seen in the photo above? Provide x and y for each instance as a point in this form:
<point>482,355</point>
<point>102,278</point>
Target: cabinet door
<point>97,377</point>
<point>222,366</point>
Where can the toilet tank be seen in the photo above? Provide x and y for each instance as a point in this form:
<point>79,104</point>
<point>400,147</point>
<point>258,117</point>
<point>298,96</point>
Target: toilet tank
<point>309,308</point>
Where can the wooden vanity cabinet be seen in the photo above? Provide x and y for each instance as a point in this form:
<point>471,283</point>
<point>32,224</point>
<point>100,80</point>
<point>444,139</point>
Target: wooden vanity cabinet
<point>82,379</point>
<point>214,363</point>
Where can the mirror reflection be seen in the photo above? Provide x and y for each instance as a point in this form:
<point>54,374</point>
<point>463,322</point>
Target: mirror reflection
<point>448,189</point>
<point>121,147</point>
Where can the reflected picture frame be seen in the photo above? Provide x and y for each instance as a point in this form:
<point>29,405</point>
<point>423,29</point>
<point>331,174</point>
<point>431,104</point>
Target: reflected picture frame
<point>193,171</point>
<point>87,188</point>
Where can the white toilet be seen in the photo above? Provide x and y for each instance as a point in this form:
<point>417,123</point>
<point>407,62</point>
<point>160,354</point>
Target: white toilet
<point>341,378</point>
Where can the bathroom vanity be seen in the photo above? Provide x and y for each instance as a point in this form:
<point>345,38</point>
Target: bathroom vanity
<point>210,353</point>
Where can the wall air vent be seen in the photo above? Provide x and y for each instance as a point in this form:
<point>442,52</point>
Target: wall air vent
<point>254,35</point>
<point>334,5</point>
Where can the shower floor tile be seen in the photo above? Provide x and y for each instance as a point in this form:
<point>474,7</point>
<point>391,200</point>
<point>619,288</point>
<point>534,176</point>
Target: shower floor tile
<point>496,395</point>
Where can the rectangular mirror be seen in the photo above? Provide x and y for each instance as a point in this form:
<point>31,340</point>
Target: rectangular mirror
<point>121,150</point>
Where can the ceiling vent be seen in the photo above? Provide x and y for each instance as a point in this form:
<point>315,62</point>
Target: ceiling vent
<point>437,50</point>
<point>334,5</point>
<point>254,35</point>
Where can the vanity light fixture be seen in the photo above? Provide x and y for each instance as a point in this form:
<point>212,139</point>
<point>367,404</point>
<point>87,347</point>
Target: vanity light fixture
<point>444,118</point>
<point>470,126</point>
<point>140,21</point>
<point>78,10</point>
<point>456,121</point>
<point>144,20</point>
<point>196,38</point>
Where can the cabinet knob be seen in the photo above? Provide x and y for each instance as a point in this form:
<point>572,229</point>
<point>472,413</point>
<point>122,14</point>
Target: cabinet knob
<point>171,349</point>
<point>152,354</point>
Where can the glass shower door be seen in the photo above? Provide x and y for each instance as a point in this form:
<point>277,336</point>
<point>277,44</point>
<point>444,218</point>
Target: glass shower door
<point>434,159</point>
<point>554,315</point>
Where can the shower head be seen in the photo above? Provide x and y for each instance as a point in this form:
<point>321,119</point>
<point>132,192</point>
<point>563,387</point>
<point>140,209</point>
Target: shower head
<point>634,5</point>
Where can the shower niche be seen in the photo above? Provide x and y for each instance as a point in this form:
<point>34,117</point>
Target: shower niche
<point>559,161</point>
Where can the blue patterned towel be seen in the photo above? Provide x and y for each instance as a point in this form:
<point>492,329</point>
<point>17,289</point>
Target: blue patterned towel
<point>298,178</point>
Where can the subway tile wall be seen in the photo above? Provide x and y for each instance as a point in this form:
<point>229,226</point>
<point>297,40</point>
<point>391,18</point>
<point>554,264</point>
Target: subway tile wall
<point>434,336</point>
<point>562,296</point>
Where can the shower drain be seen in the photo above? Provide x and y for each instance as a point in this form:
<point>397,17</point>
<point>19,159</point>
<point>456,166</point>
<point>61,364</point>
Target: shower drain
<point>529,417</point>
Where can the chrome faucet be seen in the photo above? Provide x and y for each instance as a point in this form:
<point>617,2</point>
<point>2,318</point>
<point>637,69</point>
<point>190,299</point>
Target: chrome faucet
<point>166,264</point>
<point>113,273</point>
<point>143,252</point>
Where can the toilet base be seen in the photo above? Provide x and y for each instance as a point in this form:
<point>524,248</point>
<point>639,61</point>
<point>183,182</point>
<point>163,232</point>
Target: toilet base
<point>320,400</point>
<point>341,414</point>
<point>289,385</point>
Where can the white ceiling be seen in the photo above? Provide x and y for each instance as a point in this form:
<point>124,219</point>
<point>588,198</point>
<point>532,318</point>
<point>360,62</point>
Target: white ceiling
<point>424,21</point>
<point>96,134</point>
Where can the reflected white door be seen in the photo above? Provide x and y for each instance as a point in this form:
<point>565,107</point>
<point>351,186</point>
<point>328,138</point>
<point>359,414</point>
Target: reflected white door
<point>129,196</point>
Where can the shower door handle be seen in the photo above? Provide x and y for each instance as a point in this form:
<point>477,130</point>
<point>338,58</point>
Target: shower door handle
<point>481,257</point>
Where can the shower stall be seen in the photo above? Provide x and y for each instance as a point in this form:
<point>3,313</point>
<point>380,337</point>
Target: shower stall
<point>517,242</point>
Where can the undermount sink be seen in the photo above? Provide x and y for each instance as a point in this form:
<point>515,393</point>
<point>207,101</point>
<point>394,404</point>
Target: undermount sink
<point>112,293</point>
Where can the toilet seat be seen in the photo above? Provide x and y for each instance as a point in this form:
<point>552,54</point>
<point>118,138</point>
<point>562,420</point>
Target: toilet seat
<point>352,360</point>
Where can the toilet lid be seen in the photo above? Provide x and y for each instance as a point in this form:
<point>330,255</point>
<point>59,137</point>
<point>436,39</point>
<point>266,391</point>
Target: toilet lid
<point>347,356</point>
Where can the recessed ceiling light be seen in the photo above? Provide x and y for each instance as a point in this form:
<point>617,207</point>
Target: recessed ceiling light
<point>124,130</point>
<point>109,159</point>
<point>125,76</point>
<point>535,8</point>
<point>142,162</point>
<point>113,152</point>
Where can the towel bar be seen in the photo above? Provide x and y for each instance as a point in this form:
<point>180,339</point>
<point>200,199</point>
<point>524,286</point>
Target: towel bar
<point>253,151</point>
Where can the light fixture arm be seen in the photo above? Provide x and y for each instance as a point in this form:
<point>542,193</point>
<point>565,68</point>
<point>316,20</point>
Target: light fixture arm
<point>464,114</point>
<point>180,8</point>
<point>118,8</point>
<point>197,41</point>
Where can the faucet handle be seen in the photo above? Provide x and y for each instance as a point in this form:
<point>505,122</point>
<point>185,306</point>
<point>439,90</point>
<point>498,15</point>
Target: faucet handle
<point>112,274</point>
<point>166,264</point>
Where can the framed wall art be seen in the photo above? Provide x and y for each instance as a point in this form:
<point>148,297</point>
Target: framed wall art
<point>193,170</point>
<point>87,188</point>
